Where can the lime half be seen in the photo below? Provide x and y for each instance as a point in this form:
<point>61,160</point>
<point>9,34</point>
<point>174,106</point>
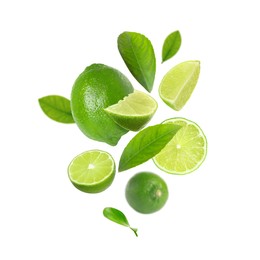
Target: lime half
<point>92,171</point>
<point>186,151</point>
<point>134,111</point>
<point>178,84</point>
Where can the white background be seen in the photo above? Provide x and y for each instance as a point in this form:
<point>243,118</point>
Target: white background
<point>212,213</point>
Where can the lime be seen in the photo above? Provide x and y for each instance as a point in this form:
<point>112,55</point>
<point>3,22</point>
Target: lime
<point>92,171</point>
<point>146,192</point>
<point>134,111</point>
<point>186,151</point>
<point>178,84</point>
<point>96,88</point>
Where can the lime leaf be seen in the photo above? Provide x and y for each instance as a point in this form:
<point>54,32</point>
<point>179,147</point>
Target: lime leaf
<point>118,217</point>
<point>171,45</point>
<point>138,55</point>
<point>57,108</point>
<point>146,144</point>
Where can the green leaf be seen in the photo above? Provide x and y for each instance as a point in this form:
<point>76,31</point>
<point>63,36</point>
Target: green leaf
<point>118,217</point>
<point>57,108</point>
<point>171,45</point>
<point>146,144</point>
<point>138,55</point>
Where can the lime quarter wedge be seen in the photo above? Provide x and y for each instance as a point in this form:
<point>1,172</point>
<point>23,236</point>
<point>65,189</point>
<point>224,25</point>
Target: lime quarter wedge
<point>92,171</point>
<point>178,84</point>
<point>134,111</point>
<point>186,151</point>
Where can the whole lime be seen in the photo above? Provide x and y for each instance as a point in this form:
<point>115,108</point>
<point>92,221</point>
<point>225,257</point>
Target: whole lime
<point>96,88</point>
<point>146,192</point>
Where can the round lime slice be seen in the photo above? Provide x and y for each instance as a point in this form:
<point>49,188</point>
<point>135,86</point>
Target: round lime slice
<point>92,171</point>
<point>186,151</point>
<point>134,111</point>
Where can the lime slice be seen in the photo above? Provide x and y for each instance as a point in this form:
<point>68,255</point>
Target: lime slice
<point>186,151</point>
<point>92,171</point>
<point>178,84</point>
<point>134,111</point>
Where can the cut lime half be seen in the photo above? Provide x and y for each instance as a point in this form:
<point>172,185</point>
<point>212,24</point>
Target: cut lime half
<point>134,111</point>
<point>186,151</point>
<point>92,171</point>
<point>178,84</point>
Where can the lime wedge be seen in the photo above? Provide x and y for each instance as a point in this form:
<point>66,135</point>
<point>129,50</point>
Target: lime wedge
<point>178,84</point>
<point>92,171</point>
<point>186,151</point>
<point>134,111</point>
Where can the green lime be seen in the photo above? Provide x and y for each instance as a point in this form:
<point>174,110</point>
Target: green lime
<point>92,171</point>
<point>96,88</point>
<point>186,151</point>
<point>134,111</point>
<point>146,192</point>
<point>178,84</point>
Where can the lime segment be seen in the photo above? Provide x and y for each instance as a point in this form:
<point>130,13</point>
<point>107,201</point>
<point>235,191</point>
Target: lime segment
<point>134,111</point>
<point>178,84</point>
<point>92,171</point>
<point>186,151</point>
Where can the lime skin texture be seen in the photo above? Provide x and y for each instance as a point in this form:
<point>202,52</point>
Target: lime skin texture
<point>96,88</point>
<point>146,192</point>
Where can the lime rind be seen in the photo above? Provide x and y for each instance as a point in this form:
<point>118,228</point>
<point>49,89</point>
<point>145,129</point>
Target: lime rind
<point>172,161</point>
<point>92,171</point>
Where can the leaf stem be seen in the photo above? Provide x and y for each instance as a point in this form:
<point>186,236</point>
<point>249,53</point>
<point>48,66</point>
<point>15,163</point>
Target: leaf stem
<point>135,231</point>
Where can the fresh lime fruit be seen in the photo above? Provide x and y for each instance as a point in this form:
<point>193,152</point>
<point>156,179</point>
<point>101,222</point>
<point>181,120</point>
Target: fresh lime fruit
<point>96,88</point>
<point>178,84</point>
<point>92,171</point>
<point>134,111</point>
<point>146,192</point>
<point>186,151</point>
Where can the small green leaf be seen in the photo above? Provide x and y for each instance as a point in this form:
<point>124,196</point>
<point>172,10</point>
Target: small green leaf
<point>146,144</point>
<point>57,108</point>
<point>171,45</point>
<point>138,55</point>
<point>118,217</point>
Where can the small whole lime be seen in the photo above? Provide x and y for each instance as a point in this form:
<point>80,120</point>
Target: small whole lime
<point>146,192</point>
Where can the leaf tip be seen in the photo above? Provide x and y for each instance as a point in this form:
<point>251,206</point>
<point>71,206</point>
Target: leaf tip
<point>120,168</point>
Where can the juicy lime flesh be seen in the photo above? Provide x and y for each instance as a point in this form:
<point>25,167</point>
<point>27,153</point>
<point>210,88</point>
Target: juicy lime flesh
<point>134,111</point>
<point>135,104</point>
<point>186,151</point>
<point>96,88</point>
<point>178,84</point>
<point>146,192</point>
<point>92,171</point>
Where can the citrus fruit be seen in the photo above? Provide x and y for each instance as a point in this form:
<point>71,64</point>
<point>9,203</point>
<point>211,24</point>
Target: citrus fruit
<point>146,192</point>
<point>134,111</point>
<point>178,84</point>
<point>186,151</point>
<point>92,171</point>
<point>96,88</point>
